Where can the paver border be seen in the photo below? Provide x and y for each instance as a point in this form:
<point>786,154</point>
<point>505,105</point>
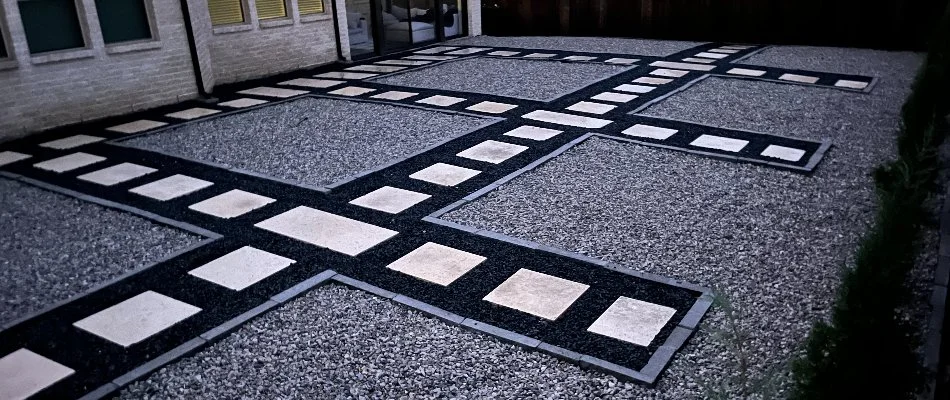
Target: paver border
<point>866,89</point>
<point>209,237</point>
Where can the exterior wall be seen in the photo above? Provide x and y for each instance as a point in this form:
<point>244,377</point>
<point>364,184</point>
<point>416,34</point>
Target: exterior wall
<point>261,48</point>
<point>69,86</point>
<point>474,17</point>
<point>201,28</point>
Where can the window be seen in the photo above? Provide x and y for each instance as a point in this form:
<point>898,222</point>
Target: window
<point>310,6</point>
<point>51,25</point>
<point>268,9</point>
<point>123,20</point>
<point>225,12</point>
<point>3,45</point>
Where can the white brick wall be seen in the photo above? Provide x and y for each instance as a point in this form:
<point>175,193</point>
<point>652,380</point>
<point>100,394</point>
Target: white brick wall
<point>265,49</point>
<point>37,95</point>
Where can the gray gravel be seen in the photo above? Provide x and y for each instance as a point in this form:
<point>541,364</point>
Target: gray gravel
<point>340,343</point>
<point>643,47</point>
<point>54,247</point>
<point>772,241</point>
<point>312,141</point>
<point>527,79</point>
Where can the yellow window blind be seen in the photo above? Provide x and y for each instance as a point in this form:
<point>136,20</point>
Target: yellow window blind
<point>267,9</point>
<point>310,6</point>
<point>225,12</point>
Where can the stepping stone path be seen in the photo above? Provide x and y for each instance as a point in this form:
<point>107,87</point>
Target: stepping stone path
<point>382,227</point>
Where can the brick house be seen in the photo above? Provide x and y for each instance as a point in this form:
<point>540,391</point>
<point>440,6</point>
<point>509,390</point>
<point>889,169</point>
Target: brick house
<point>68,61</point>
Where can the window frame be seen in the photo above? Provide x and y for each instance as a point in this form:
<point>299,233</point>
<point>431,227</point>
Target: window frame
<point>5,43</point>
<point>84,34</point>
<point>149,17</point>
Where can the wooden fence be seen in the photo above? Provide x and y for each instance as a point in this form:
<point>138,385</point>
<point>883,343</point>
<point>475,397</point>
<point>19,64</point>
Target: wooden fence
<point>888,24</point>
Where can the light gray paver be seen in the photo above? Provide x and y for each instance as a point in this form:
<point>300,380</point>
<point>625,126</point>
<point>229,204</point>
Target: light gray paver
<point>470,50</point>
<point>345,75</point>
<point>192,113</point>
<point>652,81</point>
<point>615,97</point>
<point>648,131</point>
<point>444,174</point>
<point>242,103</point>
<point>851,84</point>
<point>116,174</point>
<point>699,60</point>
<point>719,143</point>
<point>273,92</point>
<point>323,229</point>
<point>491,107</point>
<point>711,55</point>
<point>231,204</point>
<point>69,162</point>
<point>536,293</point>
<point>634,88</point>
<point>540,55</point>
<point>745,72</point>
<point>724,50</point>
<point>682,65</point>
<point>435,50</point>
<point>394,95</point>
<point>390,200</point>
<point>136,126</point>
<point>566,119</point>
<point>351,91</point>
<point>672,73</point>
<point>798,78</point>
<point>375,68</point>
<point>579,58</point>
<point>137,318</point>
<point>172,187</point>
<point>783,153</point>
<point>441,101</point>
<point>241,268</point>
<point>591,107</point>
<point>24,373</point>
<point>436,263</point>
<point>492,151</point>
<point>313,83</point>
<point>71,142</point>
<point>430,58</point>
<point>10,157</point>
<point>632,320</point>
<point>504,53</point>
<point>533,133</point>
<point>410,63</point>
<point>622,61</point>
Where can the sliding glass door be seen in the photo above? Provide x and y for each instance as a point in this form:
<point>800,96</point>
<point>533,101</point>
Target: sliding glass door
<point>377,27</point>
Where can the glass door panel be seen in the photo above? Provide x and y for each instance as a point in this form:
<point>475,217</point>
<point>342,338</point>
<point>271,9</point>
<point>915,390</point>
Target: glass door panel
<point>395,22</point>
<point>424,21</point>
<point>452,18</point>
<point>359,27</point>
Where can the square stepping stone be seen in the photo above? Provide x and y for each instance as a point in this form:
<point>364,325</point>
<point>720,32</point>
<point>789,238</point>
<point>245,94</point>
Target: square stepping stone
<point>736,47</point>
<point>71,142</point>
<point>137,319</point>
<point>699,60</point>
<point>69,163</point>
<point>24,373</point>
<point>241,268</point>
<point>441,101</point>
<point>537,294</point>
<point>430,58</point>
<point>533,133</point>
<point>393,95</point>
<point>672,73</point>
<point>352,91</point>
<point>682,65</point>
<point>404,62</point>
<point>503,53</point>
<point>10,157</point>
<point>719,143</point>
<point>192,113</point>
<point>783,153</point>
<point>745,72</point>
<point>649,80</point>
<point>492,107</point>
<point>711,55</point>
<point>540,55</point>
<point>313,83</point>
<point>567,119</point>
<point>470,50</point>
<point>390,200</point>
<point>376,68</point>
<point>591,107</point>
<point>436,263</point>
<point>579,58</point>
<point>615,97</point>
<point>273,92</point>
<point>632,321</point>
<point>345,75</point>
<point>634,88</point>
<point>724,51</point>
<point>116,174</point>
<point>798,78</point>
<point>231,204</point>
<point>623,61</point>
<point>136,126</point>
<point>242,103</point>
<point>851,84</point>
<point>491,151</point>
<point>649,131</point>
<point>172,187</point>
<point>444,174</point>
<point>330,231</point>
<point>434,50</point>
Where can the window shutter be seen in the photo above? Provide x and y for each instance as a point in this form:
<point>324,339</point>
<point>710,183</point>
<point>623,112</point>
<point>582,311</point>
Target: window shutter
<point>267,9</point>
<point>310,6</point>
<point>225,12</point>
